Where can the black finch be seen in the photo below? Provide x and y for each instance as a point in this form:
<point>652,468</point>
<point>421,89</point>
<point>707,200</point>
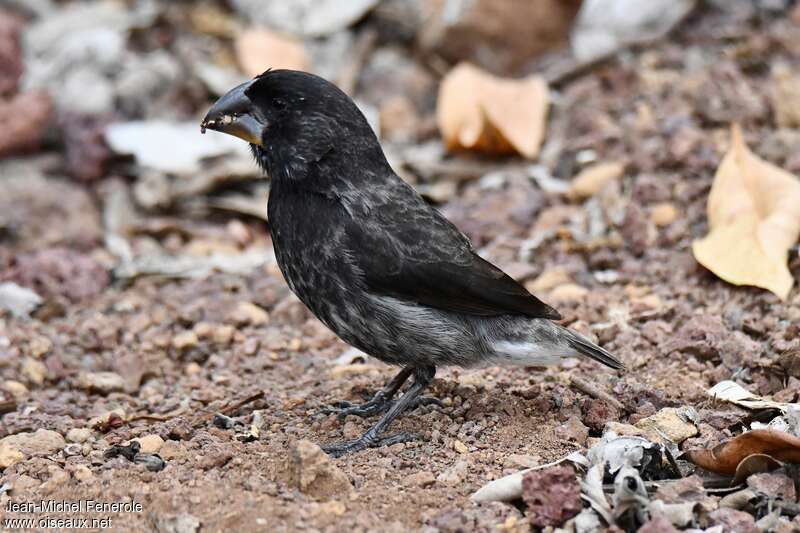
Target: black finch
<point>379,266</point>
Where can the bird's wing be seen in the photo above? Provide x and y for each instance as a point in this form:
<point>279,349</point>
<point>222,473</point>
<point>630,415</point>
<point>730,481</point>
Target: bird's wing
<point>412,252</point>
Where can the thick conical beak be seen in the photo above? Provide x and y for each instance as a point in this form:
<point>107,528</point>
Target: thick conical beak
<point>235,114</point>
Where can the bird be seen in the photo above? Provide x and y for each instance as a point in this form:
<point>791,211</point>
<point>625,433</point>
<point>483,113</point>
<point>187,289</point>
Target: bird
<point>371,259</point>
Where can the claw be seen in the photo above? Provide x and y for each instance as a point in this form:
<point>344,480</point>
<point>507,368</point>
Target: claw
<point>375,406</point>
<point>382,401</point>
<point>368,441</point>
<point>378,404</point>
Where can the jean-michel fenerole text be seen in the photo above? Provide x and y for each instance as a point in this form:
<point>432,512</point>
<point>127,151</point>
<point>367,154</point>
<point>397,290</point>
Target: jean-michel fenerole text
<point>77,506</point>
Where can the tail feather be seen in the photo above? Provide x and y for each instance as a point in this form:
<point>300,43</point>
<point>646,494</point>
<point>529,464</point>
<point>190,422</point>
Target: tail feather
<point>597,353</point>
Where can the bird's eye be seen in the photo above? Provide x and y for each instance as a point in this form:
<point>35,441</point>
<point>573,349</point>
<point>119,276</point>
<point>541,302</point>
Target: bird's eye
<point>279,103</point>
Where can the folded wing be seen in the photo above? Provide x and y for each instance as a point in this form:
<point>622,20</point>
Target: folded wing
<point>428,261</point>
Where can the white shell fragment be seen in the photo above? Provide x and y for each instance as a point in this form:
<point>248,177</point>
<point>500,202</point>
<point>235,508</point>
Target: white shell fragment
<point>510,487</point>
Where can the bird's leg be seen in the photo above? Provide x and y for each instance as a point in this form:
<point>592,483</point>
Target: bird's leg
<point>379,403</point>
<point>374,436</point>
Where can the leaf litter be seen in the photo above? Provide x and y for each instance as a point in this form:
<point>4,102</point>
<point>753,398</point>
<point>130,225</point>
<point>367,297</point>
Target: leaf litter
<point>479,111</point>
<point>754,219</point>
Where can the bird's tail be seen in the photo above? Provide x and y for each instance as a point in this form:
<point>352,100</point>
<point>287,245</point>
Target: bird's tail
<point>543,342</point>
<point>590,349</point>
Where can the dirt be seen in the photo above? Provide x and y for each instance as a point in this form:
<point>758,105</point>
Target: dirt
<point>184,350</point>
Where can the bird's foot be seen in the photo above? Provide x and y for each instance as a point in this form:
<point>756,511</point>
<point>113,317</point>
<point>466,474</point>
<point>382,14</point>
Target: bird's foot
<point>426,400</point>
<point>368,440</point>
<point>379,404</point>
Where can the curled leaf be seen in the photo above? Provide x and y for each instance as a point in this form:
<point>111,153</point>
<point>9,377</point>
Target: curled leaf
<point>726,457</point>
<point>754,464</point>
<point>479,111</point>
<point>592,492</point>
<point>754,219</point>
<point>730,391</point>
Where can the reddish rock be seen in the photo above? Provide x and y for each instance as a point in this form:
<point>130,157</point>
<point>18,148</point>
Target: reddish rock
<point>636,229</point>
<point>313,472</point>
<point>707,337</point>
<point>688,489</point>
<point>597,412</point>
<point>634,396</point>
<point>60,274</point>
<point>215,458</point>
<point>85,149</point>
<point>552,495</point>
<point>573,430</point>
<point>25,118</point>
<point>11,66</point>
<point>733,521</point>
<point>658,524</point>
<point>775,485</point>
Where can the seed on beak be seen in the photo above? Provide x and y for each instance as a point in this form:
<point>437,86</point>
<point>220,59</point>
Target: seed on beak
<point>236,115</point>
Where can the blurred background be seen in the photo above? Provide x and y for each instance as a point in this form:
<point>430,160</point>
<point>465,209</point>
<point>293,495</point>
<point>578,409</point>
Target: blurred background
<point>575,142</point>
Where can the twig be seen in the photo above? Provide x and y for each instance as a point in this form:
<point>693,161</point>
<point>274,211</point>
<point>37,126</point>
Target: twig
<point>230,409</point>
<point>348,77</point>
<point>155,418</point>
<point>589,389</point>
<point>8,406</point>
<point>227,410</point>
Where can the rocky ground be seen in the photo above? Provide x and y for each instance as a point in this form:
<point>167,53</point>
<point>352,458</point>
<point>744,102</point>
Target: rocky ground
<point>224,375</point>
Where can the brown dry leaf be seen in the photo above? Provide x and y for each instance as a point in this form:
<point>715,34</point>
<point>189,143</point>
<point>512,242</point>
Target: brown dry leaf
<point>757,463</point>
<point>478,111</point>
<point>726,457</point>
<point>258,49</point>
<point>754,218</point>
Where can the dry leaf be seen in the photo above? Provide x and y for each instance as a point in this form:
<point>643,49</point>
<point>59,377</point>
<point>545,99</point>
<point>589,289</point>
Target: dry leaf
<point>259,49</point>
<point>756,463</point>
<point>754,218</point>
<point>591,179</point>
<point>726,457</point>
<point>730,391</point>
<point>478,111</point>
<point>510,487</point>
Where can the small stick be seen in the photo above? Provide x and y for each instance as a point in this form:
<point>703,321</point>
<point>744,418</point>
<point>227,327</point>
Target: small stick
<point>227,410</point>
<point>7,406</point>
<point>155,418</point>
<point>230,409</point>
<point>589,389</point>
